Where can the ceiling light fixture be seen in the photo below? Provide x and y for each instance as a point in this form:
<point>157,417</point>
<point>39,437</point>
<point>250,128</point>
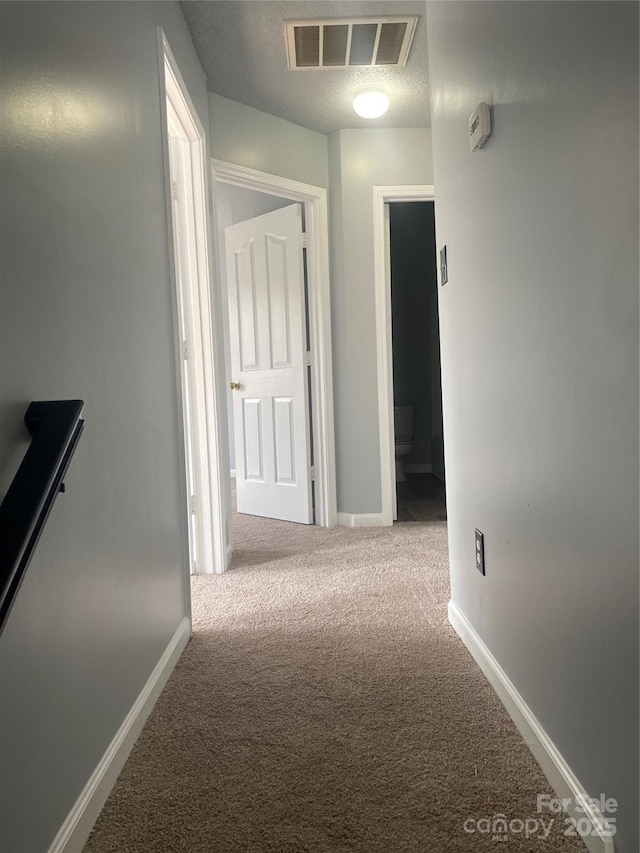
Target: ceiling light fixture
<point>371,104</point>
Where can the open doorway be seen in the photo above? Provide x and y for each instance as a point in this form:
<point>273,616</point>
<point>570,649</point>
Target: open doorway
<point>423,332</point>
<point>234,205</point>
<point>263,278</point>
<point>417,388</point>
<point>272,235</point>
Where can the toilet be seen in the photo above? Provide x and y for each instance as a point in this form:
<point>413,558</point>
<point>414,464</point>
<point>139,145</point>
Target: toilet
<point>403,426</point>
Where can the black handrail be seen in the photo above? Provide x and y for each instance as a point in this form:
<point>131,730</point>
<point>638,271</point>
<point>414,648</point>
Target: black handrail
<point>55,427</point>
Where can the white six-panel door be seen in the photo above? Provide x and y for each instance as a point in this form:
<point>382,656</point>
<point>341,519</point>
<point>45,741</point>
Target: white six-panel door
<point>265,276</point>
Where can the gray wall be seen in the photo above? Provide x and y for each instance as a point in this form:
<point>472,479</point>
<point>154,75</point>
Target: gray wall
<point>358,161</point>
<point>87,312</point>
<point>539,327</point>
<point>248,137</point>
<point>233,205</point>
<point>413,283</point>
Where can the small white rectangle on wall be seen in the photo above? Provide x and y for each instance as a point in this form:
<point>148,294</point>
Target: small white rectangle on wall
<point>479,126</point>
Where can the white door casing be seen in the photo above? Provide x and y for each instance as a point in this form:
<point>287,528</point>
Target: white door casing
<point>185,155</point>
<point>265,271</point>
<point>382,196</point>
<point>183,248</point>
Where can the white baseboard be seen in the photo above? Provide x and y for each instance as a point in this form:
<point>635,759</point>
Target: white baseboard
<point>371,519</point>
<point>562,779</point>
<point>76,829</point>
<point>418,468</point>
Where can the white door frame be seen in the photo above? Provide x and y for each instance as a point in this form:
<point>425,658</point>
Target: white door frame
<point>382,285</point>
<point>317,229</point>
<point>209,500</point>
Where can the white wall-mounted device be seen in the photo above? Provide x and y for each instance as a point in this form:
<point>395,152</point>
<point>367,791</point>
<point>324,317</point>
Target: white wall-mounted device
<point>479,126</point>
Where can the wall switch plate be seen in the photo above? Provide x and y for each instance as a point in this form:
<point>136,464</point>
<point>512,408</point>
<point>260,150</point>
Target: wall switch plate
<point>444,273</point>
<point>480,551</point>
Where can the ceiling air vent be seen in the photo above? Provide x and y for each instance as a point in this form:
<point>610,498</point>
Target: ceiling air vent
<point>349,43</point>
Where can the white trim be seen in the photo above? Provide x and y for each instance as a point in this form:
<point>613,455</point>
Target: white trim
<point>382,286</point>
<point>562,779</point>
<point>208,457</point>
<point>163,47</point>
<point>417,468</point>
<point>317,228</point>
<point>233,473</point>
<point>76,829</point>
<point>369,519</point>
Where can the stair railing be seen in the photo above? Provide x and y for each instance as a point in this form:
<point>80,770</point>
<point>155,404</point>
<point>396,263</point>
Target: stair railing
<point>55,428</point>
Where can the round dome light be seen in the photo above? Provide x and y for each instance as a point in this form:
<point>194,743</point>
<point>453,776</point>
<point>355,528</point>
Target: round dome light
<point>371,104</point>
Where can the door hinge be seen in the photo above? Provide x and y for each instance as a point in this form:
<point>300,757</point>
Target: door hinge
<point>303,239</point>
<point>308,359</point>
<point>174,190</point>
<point>192,504</point>
<point>313,473</point>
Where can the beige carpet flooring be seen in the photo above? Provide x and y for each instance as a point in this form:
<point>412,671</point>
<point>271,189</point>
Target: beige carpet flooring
<point>324,705</point>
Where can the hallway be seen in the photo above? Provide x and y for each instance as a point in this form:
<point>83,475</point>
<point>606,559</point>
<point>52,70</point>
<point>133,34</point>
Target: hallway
<point>324,704</point>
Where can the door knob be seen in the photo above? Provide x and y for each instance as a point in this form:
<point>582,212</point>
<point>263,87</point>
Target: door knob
<point>234,386</point>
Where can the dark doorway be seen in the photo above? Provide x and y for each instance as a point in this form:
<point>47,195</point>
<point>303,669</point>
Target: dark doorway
<point>417,387</point>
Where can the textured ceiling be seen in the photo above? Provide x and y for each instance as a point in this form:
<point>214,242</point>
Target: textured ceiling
<point>242,50</point>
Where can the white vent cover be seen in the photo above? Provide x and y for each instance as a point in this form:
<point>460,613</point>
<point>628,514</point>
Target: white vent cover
<point>349,42</point>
